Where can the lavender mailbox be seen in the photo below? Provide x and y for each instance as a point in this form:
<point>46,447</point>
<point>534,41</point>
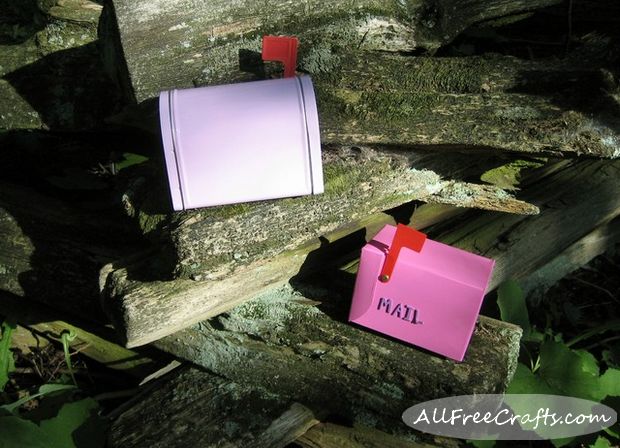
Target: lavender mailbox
<point>420,291</point>
<point>241,142</point>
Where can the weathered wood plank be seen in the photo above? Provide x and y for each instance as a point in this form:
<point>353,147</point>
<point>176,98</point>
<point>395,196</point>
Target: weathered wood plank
<point>226,255</point>
<point>166,44</point>
<point>583,193</point>
<point>574,257</point>
<point>281,341</point>
<point>330,435</point>
<point>573,202</point>
<point>550,106</point>
<point>368,97</point>
<point>545,106</point>
<point>145,311</point>
<point>299,341</point>
<point>97,344</point>
<point>51,252</point>
<point>197,408</point>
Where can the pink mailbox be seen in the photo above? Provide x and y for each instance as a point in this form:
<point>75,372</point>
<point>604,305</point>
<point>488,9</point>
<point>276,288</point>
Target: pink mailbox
<point>427,294</point>
<point>243,142</point>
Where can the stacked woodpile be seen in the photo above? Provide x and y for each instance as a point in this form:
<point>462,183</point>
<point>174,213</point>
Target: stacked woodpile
<point>508,155</point>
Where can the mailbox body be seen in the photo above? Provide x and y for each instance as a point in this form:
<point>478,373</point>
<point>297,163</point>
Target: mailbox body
<point>241,142</point>
<point>432,299</point>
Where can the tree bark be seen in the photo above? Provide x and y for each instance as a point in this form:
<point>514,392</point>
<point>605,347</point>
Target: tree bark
<point>183,43</point>
<point>229,254</point>
<point>282,342</point>
<point>197,408</point>
<point>500,102</point>
<point>330,435</point>
<point>145,311</point>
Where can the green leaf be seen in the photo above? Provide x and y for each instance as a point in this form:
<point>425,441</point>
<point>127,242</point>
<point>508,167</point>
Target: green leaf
<point>589,362</point>
<point>7,363</point>
<point>562,442</point>
<point>47,389</point>
<point>610,383</point>
<point>526,382</point>
<point>130,159</point>
<point>76,425</point>
<point>17,432</point>
<point>571,372</point>
<point>601,442</point>
<point>614,403</point>
<point>482,443</point>
<point>512,307</point>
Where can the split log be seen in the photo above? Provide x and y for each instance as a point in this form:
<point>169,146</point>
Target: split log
<point>153,47</point>
<point>52,252</point>
<point>579,254</point>
<point>197,408</point>
<point>225,255</point>
<point>50,256</point>
<point>145,311</point>
<point>282,342</point>
<point>368,97</point>
<point>550,107</point>
<point>330,435</point>
<point>196,400</point>
<point>578,198</point>
<point>583,193</point>
<point>545,107</point>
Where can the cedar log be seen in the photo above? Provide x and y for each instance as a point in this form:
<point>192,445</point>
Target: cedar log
<point>547,107</point>
<point>145,311</point>
<point>224,255</point>
<point>330,435</point>
<point>367,96</point>
<point>282,342</point>
<point>197,408</point>
<point>153,46</point>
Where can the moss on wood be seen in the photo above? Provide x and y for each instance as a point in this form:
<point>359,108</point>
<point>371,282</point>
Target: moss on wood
<point>508,176</point>
<point>282,342</point>
<point>167,46</point>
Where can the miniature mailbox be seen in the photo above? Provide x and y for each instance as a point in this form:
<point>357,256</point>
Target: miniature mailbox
<point>243,142</point>
<point>420,291</point>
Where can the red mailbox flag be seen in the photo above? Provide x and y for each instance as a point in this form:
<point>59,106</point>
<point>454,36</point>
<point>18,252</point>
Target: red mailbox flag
<point>404,237</point>
<point>281,49</point>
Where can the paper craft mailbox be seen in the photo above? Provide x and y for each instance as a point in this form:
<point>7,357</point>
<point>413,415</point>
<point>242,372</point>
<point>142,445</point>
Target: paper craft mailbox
<point>420,291</point>
<point>243,142</point>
